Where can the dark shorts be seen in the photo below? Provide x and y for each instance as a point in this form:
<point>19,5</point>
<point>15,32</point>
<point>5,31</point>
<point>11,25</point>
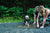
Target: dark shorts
<point>36,13</point>
<point>26,20</point>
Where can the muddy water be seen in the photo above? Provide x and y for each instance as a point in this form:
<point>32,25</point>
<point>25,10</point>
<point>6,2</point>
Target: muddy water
<point>31,26</point>
<point>15,28</point>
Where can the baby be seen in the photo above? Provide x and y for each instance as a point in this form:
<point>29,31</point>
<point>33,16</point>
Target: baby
<point>26,21</point>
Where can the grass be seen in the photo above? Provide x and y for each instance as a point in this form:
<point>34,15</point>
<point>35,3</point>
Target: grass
<point>11,19</point>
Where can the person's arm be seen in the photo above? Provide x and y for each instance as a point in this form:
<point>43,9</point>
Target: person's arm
<point>43,23</point>
<point>45,18</point>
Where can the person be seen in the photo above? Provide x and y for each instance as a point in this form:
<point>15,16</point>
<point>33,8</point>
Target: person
<point>41,11</point>
<point>26,21</point>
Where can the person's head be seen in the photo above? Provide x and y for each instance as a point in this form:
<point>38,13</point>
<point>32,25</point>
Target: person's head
<point>36,8</point>
<point>26,17</point>
<point>39,8</point>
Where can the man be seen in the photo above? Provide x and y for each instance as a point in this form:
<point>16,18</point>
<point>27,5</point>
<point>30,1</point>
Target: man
<point>41,11</point>
<point>26,21</point>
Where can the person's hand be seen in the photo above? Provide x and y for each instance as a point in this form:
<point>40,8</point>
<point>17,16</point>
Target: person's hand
<point>34,23</point>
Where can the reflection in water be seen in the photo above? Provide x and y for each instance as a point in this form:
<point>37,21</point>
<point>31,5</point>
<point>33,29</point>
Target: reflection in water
<point>19,26</point>
<point>23,26</point>
<point>31,26</point>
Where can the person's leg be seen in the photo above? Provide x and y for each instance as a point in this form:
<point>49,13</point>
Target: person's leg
<point>37,23</point>
<point>34,19</point>
<point>27,23</point>
<point>38,20</point>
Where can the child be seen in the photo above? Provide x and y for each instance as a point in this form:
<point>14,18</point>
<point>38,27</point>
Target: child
<point>26,21</point>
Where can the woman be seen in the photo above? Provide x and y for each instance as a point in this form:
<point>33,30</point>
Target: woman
<point>41,11</point>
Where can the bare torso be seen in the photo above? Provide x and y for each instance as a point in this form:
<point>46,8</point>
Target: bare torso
<point>44,13</point>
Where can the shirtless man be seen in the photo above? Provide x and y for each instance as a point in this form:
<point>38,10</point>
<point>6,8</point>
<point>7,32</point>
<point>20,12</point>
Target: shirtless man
<point>41,11</point>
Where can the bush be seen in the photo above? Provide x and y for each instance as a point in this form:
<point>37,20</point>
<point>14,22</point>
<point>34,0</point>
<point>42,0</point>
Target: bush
<point>30,11</point>
<point>3,11</point>
<point>15,11</point>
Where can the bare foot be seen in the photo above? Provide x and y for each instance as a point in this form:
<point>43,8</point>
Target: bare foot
<point>42,27</point>
<point>38,26</point>
<point>34,23</point>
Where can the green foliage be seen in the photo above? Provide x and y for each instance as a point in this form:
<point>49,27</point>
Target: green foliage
<point>30,11</point>
<point>10,19</point>
<point>16,11</point>
<point>3,10</point>
<point>46,6</point>
<point>6,15</point>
